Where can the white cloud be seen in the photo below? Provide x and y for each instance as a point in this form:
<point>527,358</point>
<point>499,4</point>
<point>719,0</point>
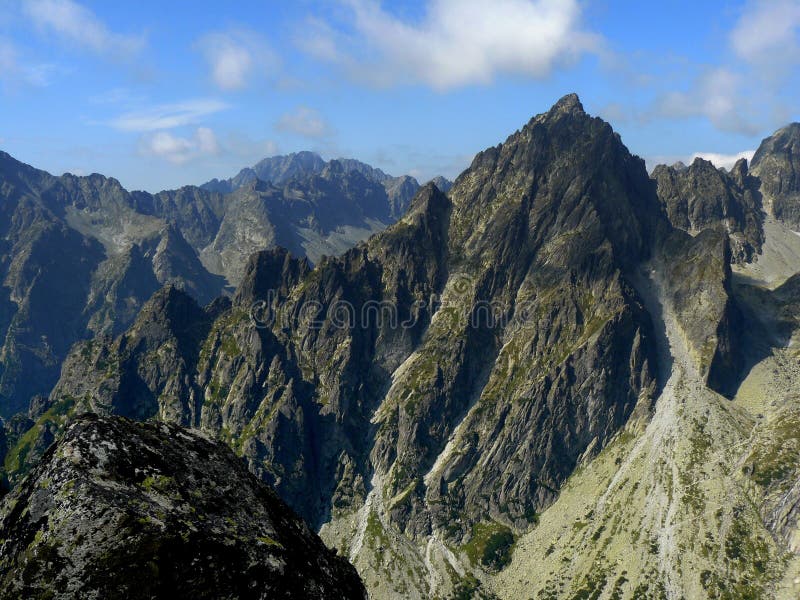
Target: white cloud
<point>235,56</point>
<point>723,160</point>
<point>168,116</point>
<point>747,93</point>
<point>719,95</point>
<point>179,150</point>
<point>14,70</point>
<point>458,42</point>
<point>767,32</point>
<point>305,122</point>
<point>79,25</point>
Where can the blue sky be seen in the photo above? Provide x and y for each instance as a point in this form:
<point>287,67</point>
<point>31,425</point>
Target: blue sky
<point>162,94</point>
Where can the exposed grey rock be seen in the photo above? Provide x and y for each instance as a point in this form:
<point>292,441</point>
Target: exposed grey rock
<point>293,170</point>
<point>81,255</point>
<point>527,346</point>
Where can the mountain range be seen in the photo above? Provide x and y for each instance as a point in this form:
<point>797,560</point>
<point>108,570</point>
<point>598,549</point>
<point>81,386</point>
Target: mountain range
<point>562,377</point>
<point>81,255</point>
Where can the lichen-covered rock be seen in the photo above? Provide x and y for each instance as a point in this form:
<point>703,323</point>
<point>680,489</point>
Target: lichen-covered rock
<point>119,509</point>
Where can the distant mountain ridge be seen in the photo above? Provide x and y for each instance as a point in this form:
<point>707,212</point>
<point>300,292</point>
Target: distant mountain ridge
<point>701,195</point>
<point>279,170</point>
<point>79,256</point>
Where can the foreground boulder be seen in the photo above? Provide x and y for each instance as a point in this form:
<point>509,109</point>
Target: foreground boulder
<point>119,509</point>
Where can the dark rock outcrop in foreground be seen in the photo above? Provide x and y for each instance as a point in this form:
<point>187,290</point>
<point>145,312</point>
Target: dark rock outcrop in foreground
<point>119,509</point>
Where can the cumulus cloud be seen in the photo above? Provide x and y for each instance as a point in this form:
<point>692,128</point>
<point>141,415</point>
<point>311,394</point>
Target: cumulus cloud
<point>167,116</point>
<point>749,93</point>
<point>179,150</point>
<point>767,32</point>
<point>723,160</point>
<point>305,122</point>
<point>457,43</point>
<point>79,25</point>
<point>717,94</point>
<point>235,56</point>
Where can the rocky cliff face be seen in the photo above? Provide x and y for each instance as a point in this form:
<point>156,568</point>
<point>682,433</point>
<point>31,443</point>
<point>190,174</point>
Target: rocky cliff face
<point>536,235</point>
<point>77,260</point>
<point>701,196</point>
<point>697,282</point>
<point>777,164</point>
<point>121,509</point>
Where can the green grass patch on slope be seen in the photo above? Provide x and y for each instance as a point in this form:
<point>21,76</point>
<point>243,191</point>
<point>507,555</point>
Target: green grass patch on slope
<point>490,545</point>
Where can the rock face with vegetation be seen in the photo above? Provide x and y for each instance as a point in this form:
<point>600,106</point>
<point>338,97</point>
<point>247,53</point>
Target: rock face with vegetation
<point>552,381</point>
<point>701,196</point>
<point>524,349</point>
<point>119,509</point>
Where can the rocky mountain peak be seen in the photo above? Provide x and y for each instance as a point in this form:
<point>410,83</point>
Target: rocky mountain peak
<point>170,314</point>
<point>7,159</point>
<point>679,166</point>
<point>777,164</point>
<point>740,169</point>
<point>701,163</point>
<point>785,141</point>
<point>18,173</point>
<point>569,104</point>
<point>429,198</point>
<point>558,170</point>
<point>442,183</point>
